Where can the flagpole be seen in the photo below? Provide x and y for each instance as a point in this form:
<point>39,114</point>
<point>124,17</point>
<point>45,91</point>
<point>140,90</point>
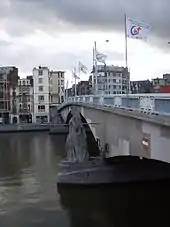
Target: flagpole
<point>75,88</point>
<point>95,65</point>
<point>94,71</point>
<point>126,47</point>
<point>66,91</point>
<point>126,60</point>
<point>79,70</point>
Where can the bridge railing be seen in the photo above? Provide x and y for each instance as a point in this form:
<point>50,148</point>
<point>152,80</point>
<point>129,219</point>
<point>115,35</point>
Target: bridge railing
<point>146,103</point>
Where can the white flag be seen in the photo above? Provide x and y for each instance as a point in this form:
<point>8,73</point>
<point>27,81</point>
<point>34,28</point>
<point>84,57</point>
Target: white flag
<point>136,29</point>
<point>100,57</point>
<point>82,68</point>
<point>75,75</point>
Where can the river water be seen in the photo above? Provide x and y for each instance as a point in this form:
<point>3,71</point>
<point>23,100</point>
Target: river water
<point>29,195</point>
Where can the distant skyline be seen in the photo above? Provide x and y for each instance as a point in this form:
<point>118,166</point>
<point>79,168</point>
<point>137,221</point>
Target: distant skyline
<point>58,34</point>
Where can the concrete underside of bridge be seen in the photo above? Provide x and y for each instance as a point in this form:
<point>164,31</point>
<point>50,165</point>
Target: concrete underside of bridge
<point>126,135</point>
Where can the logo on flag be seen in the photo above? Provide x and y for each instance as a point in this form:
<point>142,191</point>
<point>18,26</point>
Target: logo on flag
<point>136,29</point>
<point>101,57</point>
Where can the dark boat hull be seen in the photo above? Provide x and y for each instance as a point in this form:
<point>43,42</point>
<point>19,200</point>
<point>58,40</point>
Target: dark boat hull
<point>101,172</point>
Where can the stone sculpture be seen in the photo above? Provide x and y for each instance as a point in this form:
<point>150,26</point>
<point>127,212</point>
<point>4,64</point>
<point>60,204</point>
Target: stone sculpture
<point>76,145</point>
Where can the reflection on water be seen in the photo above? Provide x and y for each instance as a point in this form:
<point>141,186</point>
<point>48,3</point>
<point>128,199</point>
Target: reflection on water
<point>29,197</point>
<point>28,170</point>
<point>137,205</point>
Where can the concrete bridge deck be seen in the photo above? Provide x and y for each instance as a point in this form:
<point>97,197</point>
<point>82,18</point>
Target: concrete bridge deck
<point>126,131</point>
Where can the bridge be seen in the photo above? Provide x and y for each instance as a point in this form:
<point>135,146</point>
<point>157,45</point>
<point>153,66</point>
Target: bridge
<point>134,124</point>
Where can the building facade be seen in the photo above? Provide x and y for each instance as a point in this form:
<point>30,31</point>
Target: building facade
<point>41,77</point>
<point>57,86</point>
<point>24,97</point>
<point>141,86</point>
<point>82,88</point>
<point>8,84</point>
<point>111,80</point>
<point>161,85</point>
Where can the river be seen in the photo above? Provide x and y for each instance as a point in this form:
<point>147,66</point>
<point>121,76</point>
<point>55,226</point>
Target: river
<point>29,196</point>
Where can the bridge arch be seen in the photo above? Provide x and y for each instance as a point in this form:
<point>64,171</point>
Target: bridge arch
<point>69,116</point>
<point>92,145</point>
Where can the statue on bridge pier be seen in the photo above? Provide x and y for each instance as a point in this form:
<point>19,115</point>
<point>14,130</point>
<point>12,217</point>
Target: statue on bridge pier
<point>76,144</point>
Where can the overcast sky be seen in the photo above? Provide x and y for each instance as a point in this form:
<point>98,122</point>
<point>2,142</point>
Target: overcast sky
<point>59,33</point>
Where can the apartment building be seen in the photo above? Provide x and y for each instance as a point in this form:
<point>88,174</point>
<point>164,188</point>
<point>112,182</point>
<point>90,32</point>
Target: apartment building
<point>141,86</point>
<point>8,83</point>
<point>82,88</point>
<point>57,88</point>
<point>111,80</point>
<point>41,87</point>
<point>24,99</point>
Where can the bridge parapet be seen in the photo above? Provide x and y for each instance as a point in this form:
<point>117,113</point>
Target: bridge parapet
<point>158,104</point>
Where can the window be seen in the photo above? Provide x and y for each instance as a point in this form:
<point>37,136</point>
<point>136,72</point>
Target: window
<point>40,72</point>
<point>24,99</point>
<point>28,90</point>
<point>29,108</point>
<point>24,106</point>
<point>41,108</point>
<point>40,80</point>
<point>41,98</point>
<point>41,88</point>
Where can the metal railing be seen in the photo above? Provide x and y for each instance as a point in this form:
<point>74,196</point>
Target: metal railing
<point>158,104</point>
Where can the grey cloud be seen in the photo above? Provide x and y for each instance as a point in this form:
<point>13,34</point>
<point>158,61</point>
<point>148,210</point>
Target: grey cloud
<point>26,57</point>
<point>24,16</point>
<point>115,56</point>
<point>4,43</point>
<point>88,14</point>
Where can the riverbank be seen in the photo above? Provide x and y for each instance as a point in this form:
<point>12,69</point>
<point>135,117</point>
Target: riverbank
<point>24,128</point>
